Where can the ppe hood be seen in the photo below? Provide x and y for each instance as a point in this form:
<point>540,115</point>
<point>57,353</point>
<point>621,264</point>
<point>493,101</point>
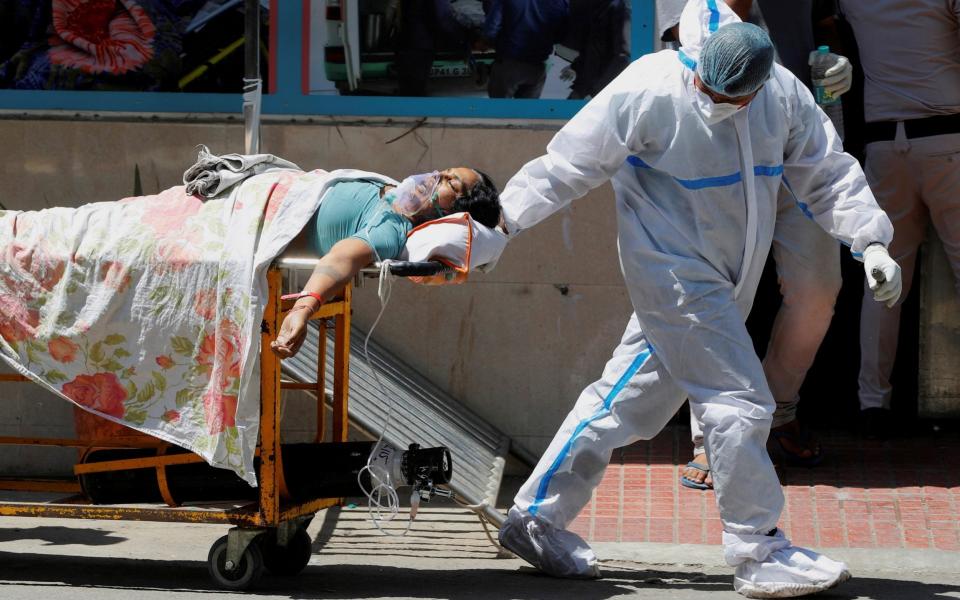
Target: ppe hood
<point>700,18</point>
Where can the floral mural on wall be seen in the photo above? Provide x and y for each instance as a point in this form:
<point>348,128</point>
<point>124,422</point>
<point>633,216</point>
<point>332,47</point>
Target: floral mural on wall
<point>122,45</point>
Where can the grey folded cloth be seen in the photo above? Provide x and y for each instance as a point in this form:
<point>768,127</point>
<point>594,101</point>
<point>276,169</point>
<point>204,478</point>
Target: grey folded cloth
<point>212,174</point>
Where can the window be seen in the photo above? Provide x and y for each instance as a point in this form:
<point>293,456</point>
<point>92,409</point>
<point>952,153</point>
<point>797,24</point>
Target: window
<point>477,58</point>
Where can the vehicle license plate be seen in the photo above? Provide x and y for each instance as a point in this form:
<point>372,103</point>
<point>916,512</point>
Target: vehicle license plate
<point>449,71</point>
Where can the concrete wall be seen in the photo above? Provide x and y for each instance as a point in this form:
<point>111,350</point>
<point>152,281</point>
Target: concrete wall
<point>516,345</point>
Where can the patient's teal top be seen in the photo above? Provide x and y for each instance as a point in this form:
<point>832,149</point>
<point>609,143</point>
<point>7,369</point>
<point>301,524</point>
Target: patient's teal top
<point>354,209</point>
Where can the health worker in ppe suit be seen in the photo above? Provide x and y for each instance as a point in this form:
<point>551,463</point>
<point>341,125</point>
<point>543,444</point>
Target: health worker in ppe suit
<point>807,258</point>
<point>696,145</point>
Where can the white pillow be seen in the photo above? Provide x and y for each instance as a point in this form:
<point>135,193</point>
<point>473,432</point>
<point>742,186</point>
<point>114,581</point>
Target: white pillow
<point>456,240</point>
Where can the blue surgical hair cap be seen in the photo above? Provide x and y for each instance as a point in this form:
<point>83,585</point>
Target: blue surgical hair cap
<point>736,60</point>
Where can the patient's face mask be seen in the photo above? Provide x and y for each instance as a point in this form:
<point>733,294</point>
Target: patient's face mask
<point>414,193</point>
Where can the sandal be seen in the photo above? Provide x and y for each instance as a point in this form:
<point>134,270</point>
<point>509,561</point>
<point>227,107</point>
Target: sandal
<point>692,484</point>
<point>792,459</point>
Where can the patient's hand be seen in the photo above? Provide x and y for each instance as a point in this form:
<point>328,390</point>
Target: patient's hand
<point>292,333</point>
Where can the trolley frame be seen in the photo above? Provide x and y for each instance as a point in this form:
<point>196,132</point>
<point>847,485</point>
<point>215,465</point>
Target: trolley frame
<point>273,507</point>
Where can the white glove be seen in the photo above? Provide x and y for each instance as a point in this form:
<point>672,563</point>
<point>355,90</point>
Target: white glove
<point>567,74</point>
<point>883,274</point>
<point>838,77</point>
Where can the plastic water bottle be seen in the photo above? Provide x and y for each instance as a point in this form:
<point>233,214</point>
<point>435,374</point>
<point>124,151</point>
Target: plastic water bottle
<point>818,70</point>
<point>830,104</point>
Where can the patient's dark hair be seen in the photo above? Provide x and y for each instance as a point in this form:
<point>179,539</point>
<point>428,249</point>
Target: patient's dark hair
<point>482,201</point>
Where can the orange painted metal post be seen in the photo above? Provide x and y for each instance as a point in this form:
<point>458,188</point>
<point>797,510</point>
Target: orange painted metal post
<point>162,482</point>
<point>237,516</point>
<point>341,371</point>
<point>146,442</point>
<point>40,485</point>
<point>270,406</point>
<point>309,507</point>
<point>147,462</point>
<point>321,387</point>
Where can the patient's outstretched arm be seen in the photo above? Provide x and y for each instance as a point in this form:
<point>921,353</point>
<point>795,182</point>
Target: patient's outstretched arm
<point>331,274</point>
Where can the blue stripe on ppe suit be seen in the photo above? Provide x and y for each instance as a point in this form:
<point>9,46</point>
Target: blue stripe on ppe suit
<point>719,181</point>
<point>607,403</point>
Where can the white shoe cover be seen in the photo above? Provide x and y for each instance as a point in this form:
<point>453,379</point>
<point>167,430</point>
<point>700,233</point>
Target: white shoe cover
<point>787,573</point>
<point>554,551</point>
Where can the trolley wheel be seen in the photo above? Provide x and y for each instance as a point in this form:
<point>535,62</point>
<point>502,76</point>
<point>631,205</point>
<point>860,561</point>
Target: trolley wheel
<point>288,560</point>
<point>245,575</point>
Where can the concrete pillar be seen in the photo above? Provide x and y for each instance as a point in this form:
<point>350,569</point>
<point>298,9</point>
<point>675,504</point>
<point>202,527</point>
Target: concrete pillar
<point>938,386</point>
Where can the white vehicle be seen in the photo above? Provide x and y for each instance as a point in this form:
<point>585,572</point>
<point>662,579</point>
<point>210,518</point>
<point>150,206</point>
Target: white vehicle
<point>359,53</point>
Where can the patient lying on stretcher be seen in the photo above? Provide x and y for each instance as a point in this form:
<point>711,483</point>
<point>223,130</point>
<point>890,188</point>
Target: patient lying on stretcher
<point>147,311</point>
<point>362,221</point>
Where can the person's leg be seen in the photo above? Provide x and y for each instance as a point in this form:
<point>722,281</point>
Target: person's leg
<point>715,364</point>
<point>633,400</point>
<point>504,79</point>
<point>710,359</point>
<point>413,71</point>
<point>696,473</point>
<point>808,269</point>
<point>534,77</point>
<point>894,183</point>
<point>696,435</point>
<point>704,346</point>
<point>938,159</point>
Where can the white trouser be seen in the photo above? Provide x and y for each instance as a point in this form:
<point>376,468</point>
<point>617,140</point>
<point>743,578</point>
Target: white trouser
<point>715,366</point>
<point>808,270</point>
<point>916,182</point>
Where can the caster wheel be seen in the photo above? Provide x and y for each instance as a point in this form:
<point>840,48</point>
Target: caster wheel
<point>290,560</point>
<point>245,575</point>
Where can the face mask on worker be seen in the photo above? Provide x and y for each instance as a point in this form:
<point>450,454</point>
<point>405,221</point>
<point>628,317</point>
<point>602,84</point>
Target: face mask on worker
<point>734,63</point>
<point>714,112</point>
<point>414,193</point>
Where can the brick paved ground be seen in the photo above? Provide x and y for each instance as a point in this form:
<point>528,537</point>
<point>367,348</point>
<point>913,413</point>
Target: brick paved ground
<point>897,494</point>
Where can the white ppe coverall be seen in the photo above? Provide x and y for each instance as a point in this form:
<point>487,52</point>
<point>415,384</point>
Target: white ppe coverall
<point>696,201</point>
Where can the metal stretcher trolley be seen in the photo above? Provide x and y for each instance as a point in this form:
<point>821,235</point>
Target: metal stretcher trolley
<point>268,533</point>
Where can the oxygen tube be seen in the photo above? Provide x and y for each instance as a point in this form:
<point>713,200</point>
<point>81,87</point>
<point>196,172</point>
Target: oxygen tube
<point>387,467</point>
<point>383,501</point>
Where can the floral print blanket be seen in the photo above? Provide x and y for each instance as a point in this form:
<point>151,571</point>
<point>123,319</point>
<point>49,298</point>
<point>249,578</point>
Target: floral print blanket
<point>146,311</point>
